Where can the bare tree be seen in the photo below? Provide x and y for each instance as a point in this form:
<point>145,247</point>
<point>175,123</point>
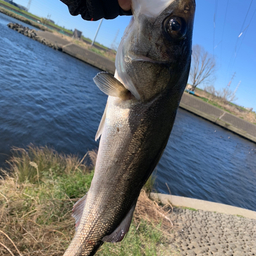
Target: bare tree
<point>202,66</point>
<point>224,94</point>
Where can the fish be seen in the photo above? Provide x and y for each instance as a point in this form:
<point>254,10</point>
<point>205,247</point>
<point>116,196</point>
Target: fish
<point>152,68</point>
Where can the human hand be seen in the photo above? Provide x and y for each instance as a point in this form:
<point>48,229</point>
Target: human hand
<point>125,4</point>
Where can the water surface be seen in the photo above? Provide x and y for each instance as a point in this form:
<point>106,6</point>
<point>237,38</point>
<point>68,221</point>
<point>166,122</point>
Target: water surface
<point>49,98</point>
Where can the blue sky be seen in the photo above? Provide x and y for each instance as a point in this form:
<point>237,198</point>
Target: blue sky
<point>218,24</point>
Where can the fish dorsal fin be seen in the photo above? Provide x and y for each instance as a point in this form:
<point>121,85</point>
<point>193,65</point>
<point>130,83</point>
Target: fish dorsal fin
<point>110,85</point>
<point>102,123</point>
<point>122,229</point>
<point>78,209</point>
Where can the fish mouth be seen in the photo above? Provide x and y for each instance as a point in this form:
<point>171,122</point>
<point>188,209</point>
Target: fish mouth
<point>132,57</point>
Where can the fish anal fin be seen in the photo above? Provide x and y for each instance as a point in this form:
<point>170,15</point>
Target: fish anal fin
<point>108,84</point>
<point>78,209</point>
<point>121,230</point>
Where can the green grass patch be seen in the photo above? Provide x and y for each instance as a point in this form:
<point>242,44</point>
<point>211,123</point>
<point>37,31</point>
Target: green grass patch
<point>87,40</point>
<point>19,10</point>
<point>142,239</point>
<point>189,208</point>
<point>97,51</point>
<point>215,104</point>
<point>42,21</point>
<point>37,195</point>
<point>240,216</point>
<point>23,19</point>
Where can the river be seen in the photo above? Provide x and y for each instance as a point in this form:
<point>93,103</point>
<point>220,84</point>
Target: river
<point>49,98</point>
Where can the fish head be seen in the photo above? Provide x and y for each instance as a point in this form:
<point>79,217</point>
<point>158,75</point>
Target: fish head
<point>155,51</point>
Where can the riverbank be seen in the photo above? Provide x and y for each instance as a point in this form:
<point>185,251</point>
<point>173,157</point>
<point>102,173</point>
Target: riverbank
<point>23,19</point>
<point>35,214</point>
<point>36,201</point>
<point>61,43</point>
<point>219,117</point>
<point>188,102</point>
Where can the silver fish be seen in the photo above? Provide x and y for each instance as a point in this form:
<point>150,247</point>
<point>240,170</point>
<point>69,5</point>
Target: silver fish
<point>152,67</point>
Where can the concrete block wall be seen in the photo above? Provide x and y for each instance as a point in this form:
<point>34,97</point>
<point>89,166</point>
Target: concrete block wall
<point>219,117</point>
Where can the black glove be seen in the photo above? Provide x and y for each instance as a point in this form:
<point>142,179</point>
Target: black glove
<point>95,9</point>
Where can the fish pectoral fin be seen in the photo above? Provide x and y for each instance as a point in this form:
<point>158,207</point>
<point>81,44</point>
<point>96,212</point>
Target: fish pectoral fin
<point>78,209</point>
<point>122,229</point>
<point>108,84</point>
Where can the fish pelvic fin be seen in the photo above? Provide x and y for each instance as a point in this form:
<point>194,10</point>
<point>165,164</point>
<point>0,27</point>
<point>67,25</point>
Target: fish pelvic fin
<point>108,84</point>
<point>78,209</point>
<point>102,123</point>
<point>122,229</point>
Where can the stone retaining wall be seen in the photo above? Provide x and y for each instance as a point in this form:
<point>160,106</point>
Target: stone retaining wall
<point>31,33</point>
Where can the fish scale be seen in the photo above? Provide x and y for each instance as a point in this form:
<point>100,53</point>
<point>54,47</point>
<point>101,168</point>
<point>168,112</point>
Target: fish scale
<point>152,67</point>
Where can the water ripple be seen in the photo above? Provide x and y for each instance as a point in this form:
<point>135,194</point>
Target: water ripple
<point>48,98</point>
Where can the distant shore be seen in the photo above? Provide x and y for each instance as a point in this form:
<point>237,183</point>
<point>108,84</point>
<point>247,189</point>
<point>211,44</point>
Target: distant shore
<point>190,103</point>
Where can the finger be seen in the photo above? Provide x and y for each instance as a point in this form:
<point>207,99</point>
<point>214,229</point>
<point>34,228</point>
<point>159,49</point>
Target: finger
<point>125,4</point>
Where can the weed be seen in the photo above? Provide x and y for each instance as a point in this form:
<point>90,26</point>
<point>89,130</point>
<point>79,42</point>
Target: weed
<point>217,101</point>
<point>142,239</point>
<point>189,208</point>
<point>97,51</point>
<point>36,199</point>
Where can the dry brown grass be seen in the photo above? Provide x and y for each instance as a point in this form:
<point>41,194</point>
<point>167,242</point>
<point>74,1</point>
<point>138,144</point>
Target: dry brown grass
<point>32,220</point>
<point>35,210</point>
<point>240,112</point>
<point>152,212</point>
<point>109,54</point>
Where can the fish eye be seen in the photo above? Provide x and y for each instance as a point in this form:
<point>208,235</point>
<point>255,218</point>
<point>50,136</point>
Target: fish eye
<point>175,27</point>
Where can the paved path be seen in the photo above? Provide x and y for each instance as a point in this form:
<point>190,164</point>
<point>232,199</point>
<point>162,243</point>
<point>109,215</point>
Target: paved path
<point>203,232</point>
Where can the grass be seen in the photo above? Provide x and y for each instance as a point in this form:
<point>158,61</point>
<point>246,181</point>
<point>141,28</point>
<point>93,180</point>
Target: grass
<point>189,208</point>
<point>229,107</point>
<point>37,194</point>
<point>215,104</point>
<point>106,52</point>
<point>95,50</point>
<point>19,10</point>
<point>141,240</point>
<point>35,17</point>
<point>23,19</point>
<point>240,216</point>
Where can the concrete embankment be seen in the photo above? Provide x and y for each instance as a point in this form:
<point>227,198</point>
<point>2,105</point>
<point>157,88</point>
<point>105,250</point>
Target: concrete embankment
<point>219,117</point>
<point>197,204</point>
<point>79,52</point>
<point>188,102</point>
<point>61,44</point>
